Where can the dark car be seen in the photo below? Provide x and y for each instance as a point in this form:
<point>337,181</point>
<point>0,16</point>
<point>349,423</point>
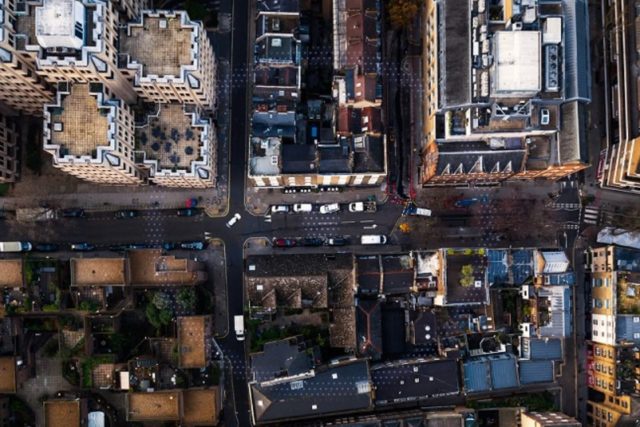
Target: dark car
<point>82,247</point>
<point>124,214</point>
<point>312,241</point>
<point>195,245</point>
<point>284,243</point>
<point>137,246</point>
<point>187,212</point>
<point>169,246</point>
<point>73,213</point>
<point>118,248</point>
<point>46,247</point>
<point>337,241</point>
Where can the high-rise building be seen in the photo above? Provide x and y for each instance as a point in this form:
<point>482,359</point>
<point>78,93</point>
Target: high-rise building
<point>90,134</point>
<point>169,58</point>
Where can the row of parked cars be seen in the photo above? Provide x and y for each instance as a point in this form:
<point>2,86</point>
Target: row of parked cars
<point>193,245</point>
<point>369,206</point>
<point>310,241</point>
<point>126,213</point>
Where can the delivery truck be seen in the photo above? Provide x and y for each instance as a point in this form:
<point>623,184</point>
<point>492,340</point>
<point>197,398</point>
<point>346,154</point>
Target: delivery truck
<point>238,322</point>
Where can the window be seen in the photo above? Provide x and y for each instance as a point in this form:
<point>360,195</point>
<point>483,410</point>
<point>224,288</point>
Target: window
<point>636,335</point>
<point>636,319</point>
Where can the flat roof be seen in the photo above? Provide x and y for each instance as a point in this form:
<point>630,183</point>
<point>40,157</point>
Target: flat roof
<point>83,127</point>
<point>97,271</point>
<point>191,341</point>
<point>200,407</point>
<point>148,267</point>
<point>11,273</point>
<point>157,405</point>
<point>56,23</point>
<point>170,138</point>
<point>517,62</point>
<point>62,413</point>
<point>7,374</point>
<point>162,44</point>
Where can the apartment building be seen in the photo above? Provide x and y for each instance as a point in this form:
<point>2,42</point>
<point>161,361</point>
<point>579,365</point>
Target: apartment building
<point>503,97</point>
<point>620,162</point>
<point>176,147</point>
<point>90,134</point>
<point>169,58</point>
<point>76,41</point>
<point>332,138</point>
<point>9,147</point>
<point>23,89</point>
<point>613,359</point>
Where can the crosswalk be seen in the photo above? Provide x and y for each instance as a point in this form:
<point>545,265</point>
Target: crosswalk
<point>591,215</point>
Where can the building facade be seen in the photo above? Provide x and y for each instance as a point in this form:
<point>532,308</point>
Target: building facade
<point>169,58</point>
<point>90,134</point>
<point>9,148</point>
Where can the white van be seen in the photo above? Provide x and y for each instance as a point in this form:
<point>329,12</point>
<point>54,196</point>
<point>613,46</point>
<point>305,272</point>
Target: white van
<point>373,239</point>
<point>302,207</point>
<point>238,325</point>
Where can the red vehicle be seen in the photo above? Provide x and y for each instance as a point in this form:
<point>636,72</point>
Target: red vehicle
<point>284,243</point>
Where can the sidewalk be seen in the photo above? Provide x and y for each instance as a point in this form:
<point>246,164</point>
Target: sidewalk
<point>258,200</point>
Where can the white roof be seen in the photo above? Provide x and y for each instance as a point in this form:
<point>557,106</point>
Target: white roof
<point>555,262</point>
<point>552,30</point>
<point>517,62</point>
<point>124,380</point>
<point>96,419</point>
<point>618,236</point>
<point>57,22</point>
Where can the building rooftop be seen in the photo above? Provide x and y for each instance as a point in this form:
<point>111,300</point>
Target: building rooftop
<point>369,328</point>
<point>80,123</point>
<point>62,413</point>
<point>549,419</point>
<point>535,371</point>
<point>201,406</point>
<point>11,273</point>
<point>154,406</point>
<point>173,138</point>
<point>463,288</point>
<point>517,62</point>
<point>149,267</point>
<point>542,349</point>
<point>192,341</point>
<point>398,274</point>
<point>7,374</point>
<point>369,274</point>
<point>98,271</point>
<point>407,381</point>
<point>306,397</point>
<point>455,60</point>
<point>282,358</point>
<point>60,24</point>
<point>487,373</point>
<point>161,43</point>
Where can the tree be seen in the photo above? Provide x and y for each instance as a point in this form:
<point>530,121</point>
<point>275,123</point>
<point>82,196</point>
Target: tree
<point>404,227</point>
<point>466,275</point>
<point>402,12</point>
<point>161,300</point>
<point>186,299</point>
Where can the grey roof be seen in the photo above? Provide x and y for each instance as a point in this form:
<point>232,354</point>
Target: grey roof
<point>626,327</point>
<point>490,373</point>
<point>536,371</point>
<point>543,349</point>
<point>453,155</point>
<point>576,49</point>
<point>372,157</point>
<point>560,324</point>
<point>627,259</point>
<point>369,328</point>
<point>412,381</point>
<point>298,158</point>
<point>280,358</point>
<point>335,159</point>
<point>398,274</point>
<point>278,5</point>
<point>336,389</point>
<point>573,136</point>
<point>368,274</point>
<point>455,47</point>
<point>393,330</point>
<point>424,328</point>
<point>295,264</point>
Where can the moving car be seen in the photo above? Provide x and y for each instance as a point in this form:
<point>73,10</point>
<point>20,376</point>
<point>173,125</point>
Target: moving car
<point>46,247</point>
<point>187,212</point>
<point>195,245</point>
<point>15,246</point>
<point>373,239</point>
<point>337,241</point>
<point>279,208</point>
<point>302,207</point>
<point>73,213</point>
<point>169,246</point>
<point>312,241</point>
<point>82,247</point>
<point>233,220</point>
<point>284,243</point>
<point>128,213</point>
<point>329,208</point>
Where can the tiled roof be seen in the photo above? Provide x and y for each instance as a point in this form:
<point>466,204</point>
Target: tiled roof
<point>280,358</point>
<point>369,328</point>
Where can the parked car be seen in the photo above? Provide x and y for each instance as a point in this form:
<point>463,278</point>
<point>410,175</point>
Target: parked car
<point>545,117</point>
<point>302,207</point>
<point>169,246</point>
<point>82,247</point>
<point>279,208</point>
<point>137,246</point>
<point>312,241</point>
<point>337,241</point>
<point>187,212</point>
<point>73,213</point>
<point>329,208</point>
<point>46,247</point>
<point>233,220</point>
<point>128,213</point>
<point>373,239</point>
<point>195,245</point>
<point>118,248</point>
<point>368,206</point>
<point>284,243</point>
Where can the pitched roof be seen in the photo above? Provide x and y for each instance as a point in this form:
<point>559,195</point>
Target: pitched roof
<point>369,328</point>
<point>349,385</point>
<point>280,358</point>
